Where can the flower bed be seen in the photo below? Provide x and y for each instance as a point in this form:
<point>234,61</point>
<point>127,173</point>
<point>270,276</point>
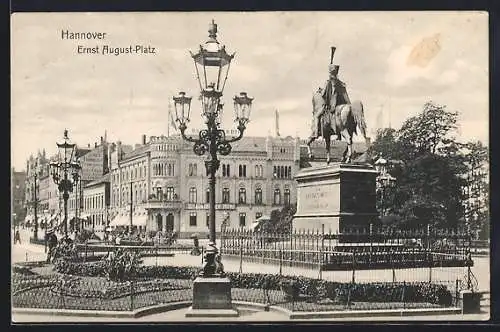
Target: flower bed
<point>293,287</point>
<point>85,288</point>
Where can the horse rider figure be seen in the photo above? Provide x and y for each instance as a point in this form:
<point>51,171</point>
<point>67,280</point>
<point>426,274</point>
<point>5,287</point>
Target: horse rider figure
<point>334,93</point>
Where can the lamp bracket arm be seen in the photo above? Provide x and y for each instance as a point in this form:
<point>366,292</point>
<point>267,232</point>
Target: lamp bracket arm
<point>241,129</point>
<point>187,138</point>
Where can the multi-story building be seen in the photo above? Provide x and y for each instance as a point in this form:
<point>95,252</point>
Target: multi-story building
<point>163,185</point>
<point>36,168</point>
<point>18,183</point>
<point>94,164</point>
<point>96,201</point>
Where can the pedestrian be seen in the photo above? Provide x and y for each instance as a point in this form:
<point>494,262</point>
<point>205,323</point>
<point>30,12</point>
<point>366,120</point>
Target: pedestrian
<point>17,236</point>
<point>51,243</point>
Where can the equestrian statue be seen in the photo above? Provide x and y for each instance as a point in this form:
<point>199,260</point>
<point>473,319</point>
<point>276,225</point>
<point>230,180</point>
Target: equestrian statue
<point>335,115</point>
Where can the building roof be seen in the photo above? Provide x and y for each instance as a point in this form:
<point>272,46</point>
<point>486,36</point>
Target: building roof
<point>250,144</point>
<point>102,179</point>
<point>136,152</point>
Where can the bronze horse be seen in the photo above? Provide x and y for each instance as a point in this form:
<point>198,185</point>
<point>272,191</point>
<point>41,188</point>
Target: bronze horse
<point>349,118</point>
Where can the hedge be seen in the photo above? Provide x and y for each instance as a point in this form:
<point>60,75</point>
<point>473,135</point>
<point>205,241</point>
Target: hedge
<point>293,286</point>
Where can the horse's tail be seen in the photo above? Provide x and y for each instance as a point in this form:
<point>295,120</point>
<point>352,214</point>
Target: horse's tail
<point>359,116</point>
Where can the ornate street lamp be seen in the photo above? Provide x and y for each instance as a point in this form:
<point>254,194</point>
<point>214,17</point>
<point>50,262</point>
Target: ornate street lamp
<point>212,67</point>
<point>62,169</point>
<point>35,177</point>
<point>76,178</point>
<point>384,181</point>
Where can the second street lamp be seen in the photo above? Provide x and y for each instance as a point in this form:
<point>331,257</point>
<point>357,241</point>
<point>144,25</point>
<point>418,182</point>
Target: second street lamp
<point>62,172</point>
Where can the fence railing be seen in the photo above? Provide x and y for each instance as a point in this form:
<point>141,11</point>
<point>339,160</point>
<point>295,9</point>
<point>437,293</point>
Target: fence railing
<point>366,247</point>
<point>291,291</point>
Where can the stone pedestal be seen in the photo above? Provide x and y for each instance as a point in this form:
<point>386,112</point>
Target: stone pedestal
<point>336,196</point>
<point>212,298</point>
<point>471,302</point>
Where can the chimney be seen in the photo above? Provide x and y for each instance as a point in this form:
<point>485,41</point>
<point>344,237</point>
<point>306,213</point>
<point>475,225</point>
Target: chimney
<point>102,139</point>
<point>95,145</point>
<point>119,150</point>
<point>89,145</point>
<point>143,139</point>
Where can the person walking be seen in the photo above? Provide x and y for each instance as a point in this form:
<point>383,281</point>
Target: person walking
<point>52,243</point>
<point>17,236</point>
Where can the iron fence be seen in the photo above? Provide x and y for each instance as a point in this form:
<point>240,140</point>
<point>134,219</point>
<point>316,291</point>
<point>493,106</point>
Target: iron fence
<point>362,247</point>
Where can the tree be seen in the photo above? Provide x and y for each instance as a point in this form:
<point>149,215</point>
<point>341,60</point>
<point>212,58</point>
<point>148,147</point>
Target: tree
<point>429,185</point>
<point>429,130</point>
<point>281,220</point>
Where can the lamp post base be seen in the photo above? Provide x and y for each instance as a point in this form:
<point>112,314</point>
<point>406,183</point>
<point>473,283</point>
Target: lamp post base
<point>212,298</point>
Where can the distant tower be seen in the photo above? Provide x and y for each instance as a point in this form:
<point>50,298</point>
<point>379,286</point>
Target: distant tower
<point>277,119</point>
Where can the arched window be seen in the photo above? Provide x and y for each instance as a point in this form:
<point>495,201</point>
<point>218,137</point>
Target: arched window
<point>286,196</point>
<point>225,195</point>
<point>192,195</point>
<point>289,171</point>
<point>242,196</point>
<point>207,196</point>
<point>258,196</point>
<point>277,196</point>
<point>170,193</point>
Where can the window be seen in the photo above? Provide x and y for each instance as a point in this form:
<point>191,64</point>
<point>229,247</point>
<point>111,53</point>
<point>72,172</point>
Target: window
<point>208,219</point>
<point>242,196</point>
<point>242,171</point>
<point>282,172</point>
<point>207,196</point>
<point>170,193</point>
<point>226,170</point>
<point>286,196</point>
<point>243,218</point>
<point>258,196</point>
<point>192,169</point>
<point>225,195</point>
<point>159,193</point>
<point>170,170</point>
<point>192,195</point>
<point>192,219</point>
<point>277,197</point>
<point>259,171</point>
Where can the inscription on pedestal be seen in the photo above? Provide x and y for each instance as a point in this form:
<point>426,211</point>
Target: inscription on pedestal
<point>318,199</point>
<point>212,293</point>
<point>333,197</point>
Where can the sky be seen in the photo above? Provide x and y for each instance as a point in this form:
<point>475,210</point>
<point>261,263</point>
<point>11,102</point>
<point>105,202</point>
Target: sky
<point>393,62</point>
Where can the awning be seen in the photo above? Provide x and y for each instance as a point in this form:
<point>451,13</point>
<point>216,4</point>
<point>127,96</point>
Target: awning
<point>120,220</point>
<point>139,220</point>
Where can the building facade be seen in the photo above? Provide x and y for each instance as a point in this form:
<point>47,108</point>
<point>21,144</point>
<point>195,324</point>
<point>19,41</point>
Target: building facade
<point>18,184</point>
<point>95,205</point>
<point>36,169</point>
<point>163,185</point>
